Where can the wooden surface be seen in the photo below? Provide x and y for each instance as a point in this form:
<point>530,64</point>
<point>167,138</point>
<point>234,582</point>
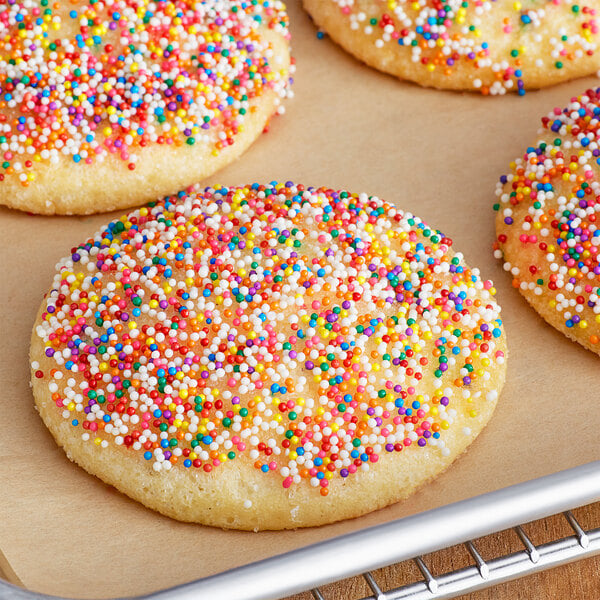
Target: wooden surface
<point>576,581</point>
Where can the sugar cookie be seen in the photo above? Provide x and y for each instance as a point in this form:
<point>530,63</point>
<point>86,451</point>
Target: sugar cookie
<point>111,103</point>
<point>546,227</point>
<point>267,357</point>
<point>493,46</point>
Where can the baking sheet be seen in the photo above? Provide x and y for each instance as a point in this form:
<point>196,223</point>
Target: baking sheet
<point>435,153</point>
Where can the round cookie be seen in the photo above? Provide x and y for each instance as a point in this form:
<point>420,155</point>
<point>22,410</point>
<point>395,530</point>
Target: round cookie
<point>493,46</point>
<point>547,230</point>
<point>267,357</point>
<point>106,104</point>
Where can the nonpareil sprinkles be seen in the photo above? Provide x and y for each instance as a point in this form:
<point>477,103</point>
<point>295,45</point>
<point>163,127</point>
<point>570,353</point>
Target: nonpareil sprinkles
<point>301,328</point>
<point>444,36</point>
<point>85,80</point>
<point>557,183</point>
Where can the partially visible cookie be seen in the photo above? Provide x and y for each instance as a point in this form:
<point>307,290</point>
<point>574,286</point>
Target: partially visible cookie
<point>493,46</point>
<point>267,357</point>
<point>547,221</point>
<point>105,105</point>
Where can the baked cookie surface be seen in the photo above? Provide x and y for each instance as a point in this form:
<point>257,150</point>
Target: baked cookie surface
<point>112,103</point>
<point>267,357</point>
<point>493,46</point>
<point>547,229</point>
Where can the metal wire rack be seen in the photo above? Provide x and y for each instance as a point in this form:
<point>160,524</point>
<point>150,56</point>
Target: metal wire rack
<point>484,573</point>
<point>411,539</point>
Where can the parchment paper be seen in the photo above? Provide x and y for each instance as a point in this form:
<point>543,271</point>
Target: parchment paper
<point>435,153</point>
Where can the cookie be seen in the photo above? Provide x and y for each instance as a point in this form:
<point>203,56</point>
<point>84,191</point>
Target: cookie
<point>267,357</point>
<point>493,46</point>
<point>547,230</point>
<point>105,105</point>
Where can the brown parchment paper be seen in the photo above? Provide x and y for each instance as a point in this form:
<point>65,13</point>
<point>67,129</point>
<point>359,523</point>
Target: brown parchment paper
<point>435,153</point>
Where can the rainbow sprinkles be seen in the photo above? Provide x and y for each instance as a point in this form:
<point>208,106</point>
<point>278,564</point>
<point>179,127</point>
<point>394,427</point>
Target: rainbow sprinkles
<point>109,77</point>
<point>547,231</point>
<point>308,331</point>
<point>493,46</point>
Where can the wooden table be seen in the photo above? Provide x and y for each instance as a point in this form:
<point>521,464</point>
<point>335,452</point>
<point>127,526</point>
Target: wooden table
<point>575,581</point>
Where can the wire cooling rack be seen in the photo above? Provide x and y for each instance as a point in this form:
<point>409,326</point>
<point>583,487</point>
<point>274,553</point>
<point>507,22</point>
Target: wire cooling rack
<point>483,573</point>
<point>409,539</point>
